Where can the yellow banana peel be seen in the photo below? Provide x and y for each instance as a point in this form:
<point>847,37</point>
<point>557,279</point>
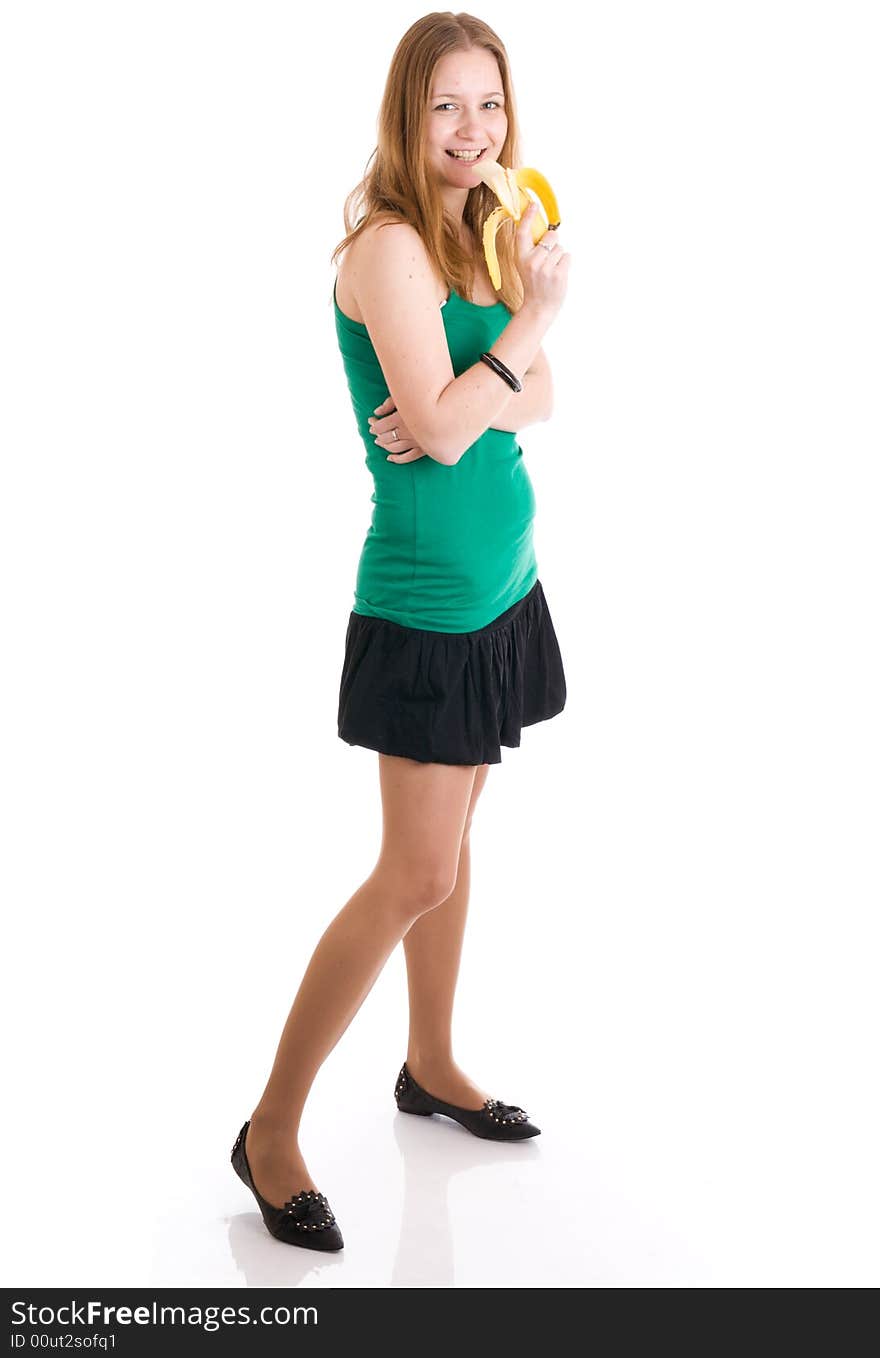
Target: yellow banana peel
<point>509,188</point>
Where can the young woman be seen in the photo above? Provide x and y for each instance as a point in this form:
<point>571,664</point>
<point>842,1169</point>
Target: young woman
<point>450,648</point>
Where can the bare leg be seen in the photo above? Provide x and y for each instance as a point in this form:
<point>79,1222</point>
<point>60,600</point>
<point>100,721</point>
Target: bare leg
<point>424,811</point>
<point>433,955</point>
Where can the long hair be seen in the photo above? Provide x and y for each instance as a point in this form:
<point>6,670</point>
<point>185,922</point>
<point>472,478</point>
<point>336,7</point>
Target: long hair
<point>397,185</point>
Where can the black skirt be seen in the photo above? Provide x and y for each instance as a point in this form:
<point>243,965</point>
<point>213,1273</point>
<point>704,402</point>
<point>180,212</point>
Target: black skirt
<point>450,697</point>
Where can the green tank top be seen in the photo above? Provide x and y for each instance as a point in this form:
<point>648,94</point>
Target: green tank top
<point>448,548</point>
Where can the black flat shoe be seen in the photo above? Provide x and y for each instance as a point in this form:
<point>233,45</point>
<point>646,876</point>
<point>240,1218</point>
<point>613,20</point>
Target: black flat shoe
<point>496,1121</point>
<point>305,1219</point>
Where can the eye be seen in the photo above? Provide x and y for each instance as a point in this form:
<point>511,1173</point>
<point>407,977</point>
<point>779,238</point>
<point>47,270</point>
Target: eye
<point>488,101</point>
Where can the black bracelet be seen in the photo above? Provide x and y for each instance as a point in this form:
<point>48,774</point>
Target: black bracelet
<point>494,362</point>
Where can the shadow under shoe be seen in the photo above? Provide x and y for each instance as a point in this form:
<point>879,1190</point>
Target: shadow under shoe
<point>496,1121</point>
<point>305,1219</point>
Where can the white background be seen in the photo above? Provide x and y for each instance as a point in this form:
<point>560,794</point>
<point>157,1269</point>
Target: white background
<point>671,954</point>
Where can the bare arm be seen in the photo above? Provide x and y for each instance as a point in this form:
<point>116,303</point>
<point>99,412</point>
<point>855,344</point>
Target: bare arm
<point>531,405</point>
<point>396,291</point>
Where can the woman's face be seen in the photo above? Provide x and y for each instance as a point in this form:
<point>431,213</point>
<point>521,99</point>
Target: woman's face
<point>466,112</point>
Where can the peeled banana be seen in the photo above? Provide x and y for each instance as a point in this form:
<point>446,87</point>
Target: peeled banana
<point>508,186</point>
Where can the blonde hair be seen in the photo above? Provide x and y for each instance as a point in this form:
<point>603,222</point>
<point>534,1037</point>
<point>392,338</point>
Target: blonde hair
<point>397,186</point>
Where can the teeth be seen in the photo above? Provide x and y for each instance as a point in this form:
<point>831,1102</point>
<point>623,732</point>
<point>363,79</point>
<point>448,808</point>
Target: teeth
<point>508,186</point>
<point>466,155</point>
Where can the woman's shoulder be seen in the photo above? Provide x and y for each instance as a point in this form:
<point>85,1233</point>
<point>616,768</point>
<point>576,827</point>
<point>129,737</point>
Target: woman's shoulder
<point>358,257</point>
<point>375,230</point>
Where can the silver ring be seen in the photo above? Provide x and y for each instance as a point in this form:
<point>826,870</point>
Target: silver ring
<point>394,434</point>
<point>548,248</point>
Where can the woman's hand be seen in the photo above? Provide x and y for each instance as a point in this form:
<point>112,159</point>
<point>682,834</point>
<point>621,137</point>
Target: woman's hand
<point>543,268</point>
<point>382,422</point>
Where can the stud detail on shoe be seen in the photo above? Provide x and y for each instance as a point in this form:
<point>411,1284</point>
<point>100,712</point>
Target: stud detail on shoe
<point>504,1112</point>
<point>310,1210</point>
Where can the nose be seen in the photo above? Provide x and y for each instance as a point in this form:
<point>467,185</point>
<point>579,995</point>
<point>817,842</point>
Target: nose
<point>469,132</point>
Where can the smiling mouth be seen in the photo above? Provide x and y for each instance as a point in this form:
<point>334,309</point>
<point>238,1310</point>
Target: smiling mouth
<point>467,159</point>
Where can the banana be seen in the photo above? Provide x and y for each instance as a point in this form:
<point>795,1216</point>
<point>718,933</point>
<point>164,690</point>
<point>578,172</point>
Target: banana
<point>508,186</point>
